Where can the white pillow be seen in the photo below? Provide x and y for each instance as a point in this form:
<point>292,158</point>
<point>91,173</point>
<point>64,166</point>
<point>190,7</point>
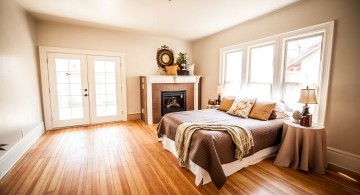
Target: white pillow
<point>280,107</point>
<point>241,107</point>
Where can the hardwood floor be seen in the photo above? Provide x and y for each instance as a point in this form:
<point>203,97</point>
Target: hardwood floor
<point>125,158</point>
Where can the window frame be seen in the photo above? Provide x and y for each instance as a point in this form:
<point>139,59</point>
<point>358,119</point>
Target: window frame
<point>279,41</point>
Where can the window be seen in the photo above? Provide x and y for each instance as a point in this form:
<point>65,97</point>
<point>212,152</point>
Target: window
<point>278,67</point>
<point>261,71</point>
<point>232,79</point>
<point>302,68</point>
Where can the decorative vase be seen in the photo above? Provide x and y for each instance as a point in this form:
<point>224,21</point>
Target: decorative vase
<point>296,116</point>
<point>190,68</point>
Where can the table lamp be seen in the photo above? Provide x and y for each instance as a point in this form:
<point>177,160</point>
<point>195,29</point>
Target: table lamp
<point>219,91</point>
<point>307,96</point>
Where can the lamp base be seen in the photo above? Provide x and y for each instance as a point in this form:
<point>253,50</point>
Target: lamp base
<point>305,110</point>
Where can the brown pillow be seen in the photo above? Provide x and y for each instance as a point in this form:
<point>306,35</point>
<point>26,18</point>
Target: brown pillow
<point>226,104</point>
<point>262,110</point>
<point>273,115</point>
<point>171,70</point>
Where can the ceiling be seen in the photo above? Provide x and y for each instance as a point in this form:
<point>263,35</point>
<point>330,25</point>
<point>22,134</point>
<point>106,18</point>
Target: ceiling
<point>182,19</point>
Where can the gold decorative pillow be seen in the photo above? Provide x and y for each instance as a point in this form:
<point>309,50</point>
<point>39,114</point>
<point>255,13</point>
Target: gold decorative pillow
<point>171,70</point>
<point>241,107</point>
<point>226,104</point>
<point>262,110</point>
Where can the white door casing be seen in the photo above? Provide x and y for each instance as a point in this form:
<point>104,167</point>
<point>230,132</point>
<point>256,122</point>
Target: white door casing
<point>88,86</point>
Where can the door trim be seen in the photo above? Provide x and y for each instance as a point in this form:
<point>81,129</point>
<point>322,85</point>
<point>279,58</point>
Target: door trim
<point>44,72</point>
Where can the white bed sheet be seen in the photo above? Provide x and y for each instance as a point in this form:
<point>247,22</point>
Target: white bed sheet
<point>229,168</point>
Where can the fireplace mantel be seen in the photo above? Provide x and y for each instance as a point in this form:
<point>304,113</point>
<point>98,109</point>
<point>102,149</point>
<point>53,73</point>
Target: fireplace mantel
<point>146,91</point>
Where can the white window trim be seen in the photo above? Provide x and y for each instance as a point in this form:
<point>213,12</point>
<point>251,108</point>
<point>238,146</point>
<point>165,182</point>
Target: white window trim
<point>279,40</point>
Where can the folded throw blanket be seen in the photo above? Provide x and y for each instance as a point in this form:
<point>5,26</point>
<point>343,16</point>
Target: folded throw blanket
<point>240,136</point>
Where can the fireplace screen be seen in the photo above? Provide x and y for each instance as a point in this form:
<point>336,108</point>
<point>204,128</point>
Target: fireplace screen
<point>173,101</point>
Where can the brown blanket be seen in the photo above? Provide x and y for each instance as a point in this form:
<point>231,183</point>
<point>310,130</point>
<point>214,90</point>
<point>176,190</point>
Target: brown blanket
<point>210,149</point>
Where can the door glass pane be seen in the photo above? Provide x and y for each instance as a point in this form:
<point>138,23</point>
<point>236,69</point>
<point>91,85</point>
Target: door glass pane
<point>64,101</point>
<point>100,77</point>
<point>64,113</point>
<point>105,88</point>
<point>75,89</point>
<point>62,77</point>
<point>61,65</point>
<point>77,112</point>
<point>101,111</point>
<point>110,89</point>
<point>75,77</point>
<point>69,90</point>
<point>99,66</point>
<point>74,65</point>
<point>76,101</point>
<point>101,100</point>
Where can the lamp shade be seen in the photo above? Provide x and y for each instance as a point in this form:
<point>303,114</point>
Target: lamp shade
<point>308,96</point>
<point>219,89</point>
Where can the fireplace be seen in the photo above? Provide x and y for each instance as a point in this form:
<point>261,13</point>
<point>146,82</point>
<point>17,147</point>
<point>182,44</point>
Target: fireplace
<point>172,101</point>
<point>151,87</point>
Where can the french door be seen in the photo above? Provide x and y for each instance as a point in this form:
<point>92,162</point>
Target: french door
<point>84,89</point>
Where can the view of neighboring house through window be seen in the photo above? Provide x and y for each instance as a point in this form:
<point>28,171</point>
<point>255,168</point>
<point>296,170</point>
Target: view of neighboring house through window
<point>302,68</point>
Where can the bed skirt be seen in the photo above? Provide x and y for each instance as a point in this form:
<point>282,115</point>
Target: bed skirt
<point>229,168</point>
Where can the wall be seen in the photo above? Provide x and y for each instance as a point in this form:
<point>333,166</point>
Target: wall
<point>20,99</point>
<point>140,50</point>
<point>341,124</point>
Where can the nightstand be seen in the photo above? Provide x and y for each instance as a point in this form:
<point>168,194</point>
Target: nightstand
<point>303,147</point>
<point>212,106</point>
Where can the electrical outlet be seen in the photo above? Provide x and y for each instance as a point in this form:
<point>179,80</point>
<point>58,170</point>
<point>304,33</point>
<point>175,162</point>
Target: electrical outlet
<point>142,110</point>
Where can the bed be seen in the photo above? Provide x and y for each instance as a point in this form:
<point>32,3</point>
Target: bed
<point>211,153</point>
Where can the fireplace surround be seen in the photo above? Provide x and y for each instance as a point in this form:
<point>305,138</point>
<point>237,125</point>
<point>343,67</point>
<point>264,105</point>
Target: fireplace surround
<point>152,86</point>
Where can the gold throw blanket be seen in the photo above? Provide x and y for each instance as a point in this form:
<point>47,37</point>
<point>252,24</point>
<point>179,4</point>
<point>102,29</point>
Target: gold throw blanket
<point>240,136</point>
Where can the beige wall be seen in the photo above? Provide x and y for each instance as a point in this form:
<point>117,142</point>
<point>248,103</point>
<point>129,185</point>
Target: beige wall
<point>20,102</point>
<point>139,50</point>
<point>342,126</point>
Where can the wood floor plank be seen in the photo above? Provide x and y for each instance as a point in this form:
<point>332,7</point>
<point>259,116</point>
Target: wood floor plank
<point>126,158</point>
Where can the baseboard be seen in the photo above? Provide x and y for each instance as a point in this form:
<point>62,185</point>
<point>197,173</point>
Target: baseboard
<point>11,156</point>
<point>344,159</point>
<point>134,116</point>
